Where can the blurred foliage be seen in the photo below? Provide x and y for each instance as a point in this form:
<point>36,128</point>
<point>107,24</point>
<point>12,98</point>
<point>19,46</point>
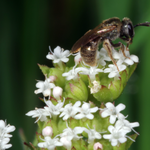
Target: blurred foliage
<point>27,28</point>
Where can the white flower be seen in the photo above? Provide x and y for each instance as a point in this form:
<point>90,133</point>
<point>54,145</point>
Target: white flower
<point>92,135</point>
<point>126,124</point>
<point>103,55</point>
<point>113,71</point>
<point>47,131</point>
<point>57,92</point>
<point>66,143</point>
<point>53,109</point>
<point>85,111</point>
<point>39,113</point>
<point>4,135</point>
<point>69,110</point>
<point>44,87</point>
<point>77,58</point>
<point>96,87</point>
<point>72,134</point>
<point>91,72</point>
<point>126,57</point>
<point>50,143</point>
<point>112,111</point>
<point>58,55</point>
<point>72,74</point>
<point>117,135</point>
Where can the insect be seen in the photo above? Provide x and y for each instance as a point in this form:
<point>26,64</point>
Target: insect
<point>105,33</point>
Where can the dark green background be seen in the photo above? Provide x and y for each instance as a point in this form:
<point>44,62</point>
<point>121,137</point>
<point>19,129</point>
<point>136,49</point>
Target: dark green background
<point>28,27</point>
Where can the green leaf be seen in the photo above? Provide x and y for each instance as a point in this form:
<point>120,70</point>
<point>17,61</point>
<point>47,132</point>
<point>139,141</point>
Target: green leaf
<point>45,70</point>
<point>129,142</point>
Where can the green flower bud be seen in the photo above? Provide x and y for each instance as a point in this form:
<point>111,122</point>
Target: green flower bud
<point>76,90</point>
<point>110,89</point>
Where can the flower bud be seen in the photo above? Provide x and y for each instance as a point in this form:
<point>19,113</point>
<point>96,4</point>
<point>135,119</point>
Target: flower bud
<point>47,131</point>
<point>110,89</point>
<point>98,146</point>
<point>57,92</point>
<point>76,90</point>
<point>52,78</point>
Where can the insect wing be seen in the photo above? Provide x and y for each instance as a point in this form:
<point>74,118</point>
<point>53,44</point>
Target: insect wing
<point>91,35</point>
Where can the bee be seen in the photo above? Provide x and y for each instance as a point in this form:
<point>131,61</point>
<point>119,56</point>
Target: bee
<point>106,32</point>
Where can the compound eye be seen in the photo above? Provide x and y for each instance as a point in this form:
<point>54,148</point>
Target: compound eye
<point>131,32</point>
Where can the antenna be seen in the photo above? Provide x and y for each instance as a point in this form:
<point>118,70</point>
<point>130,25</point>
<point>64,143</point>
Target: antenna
<point>147,24</point>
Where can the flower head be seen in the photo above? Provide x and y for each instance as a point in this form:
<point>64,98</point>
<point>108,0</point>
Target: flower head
<point>126,57</point>
<point>86,111</point>
<point>77,58</point>
<point>39,113</point>
<point>91,72</point>
<point>112,111</point>
<point>116,135</point>
<point>44,87</point>
<point>72,134</point>
<point>126,124</point>
<point>103,56</point>
<point>73,73</point>
<point>96,87</point>
<point>69,110</point>
<point>50,143</point>
<point>92,135</point>
<point>53,109</point>
<point>58,55</point>
<point>4,135</point>
<point>66,143</point>
<point>113,70</point>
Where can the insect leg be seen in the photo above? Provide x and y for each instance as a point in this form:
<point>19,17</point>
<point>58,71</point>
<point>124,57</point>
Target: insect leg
<point>119,44</point>
<point>107,45</point>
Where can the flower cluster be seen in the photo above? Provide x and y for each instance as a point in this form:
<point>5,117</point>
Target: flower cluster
<point>117,130</point>
<point>78,111</point>
<point>122,126</point>
<point>4,135</point>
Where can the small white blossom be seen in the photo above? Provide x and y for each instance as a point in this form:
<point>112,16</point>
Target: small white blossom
<point>47,131</point>
<point>103,56</point>
<point>126,124</point>
<point>39,113</point>
<point>113,71</point>
<point>85,111</point>
<point>91,72</point>
<point>44,87</point>
<point>53,109</point>
<point>92,135</point>
<point>126,57</point>
<point>116,135</point>
<point>50,143</point>
<point>66,143</point>
<point>4,135</point>
<point>72,134</point>
<point>98,146</point>
<point>112,111</point>
<point>72,74</point>
<point>57,92</point>
<point>96,87</point>
<point>69,110</point>
<point>77,58</point>
<point>58,55</point>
